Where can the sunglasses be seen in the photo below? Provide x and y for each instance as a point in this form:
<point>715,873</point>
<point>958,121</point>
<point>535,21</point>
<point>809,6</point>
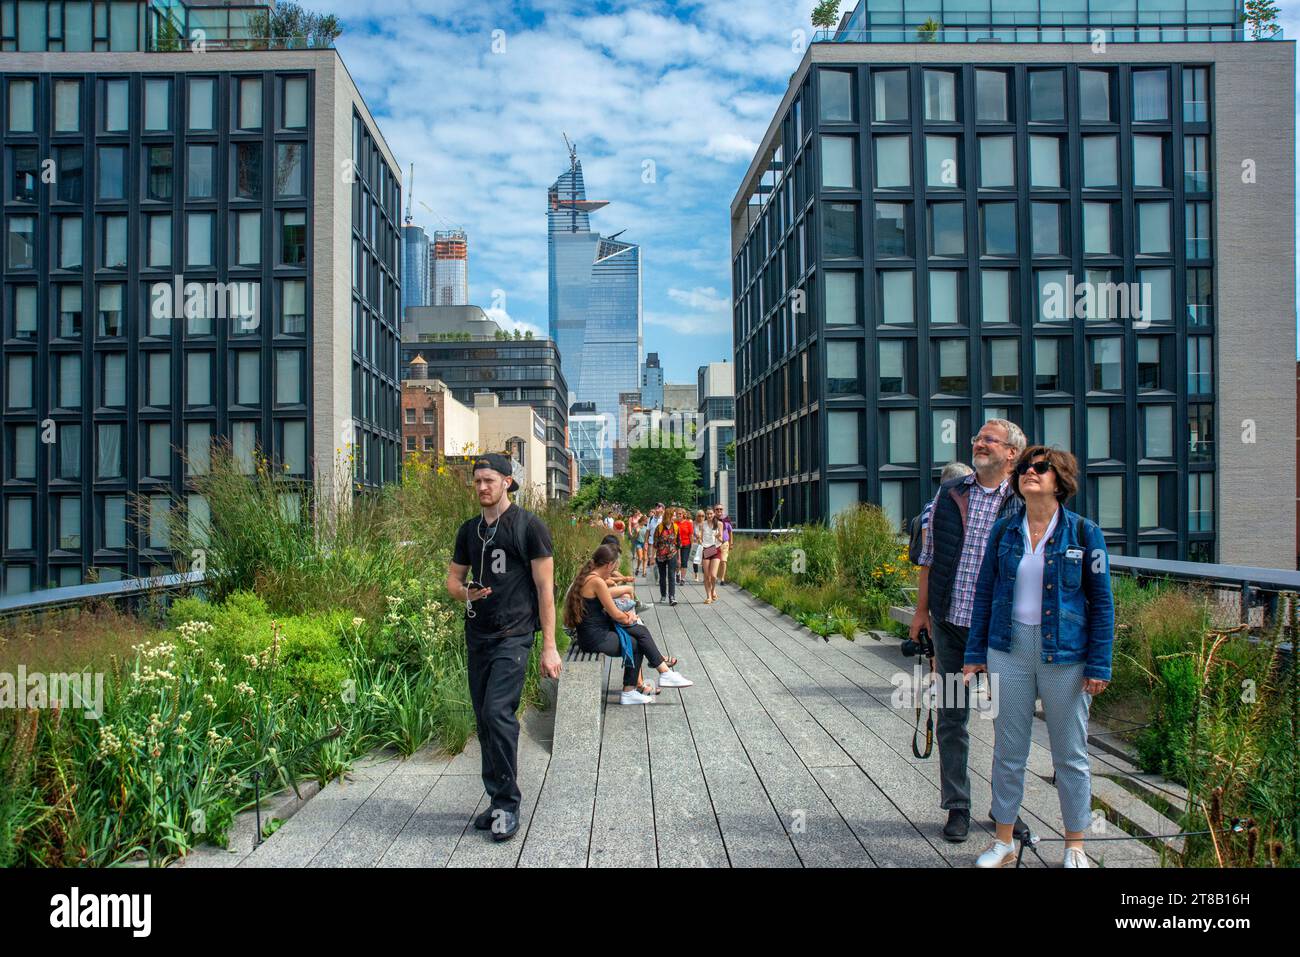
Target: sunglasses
<point>1039,467</point>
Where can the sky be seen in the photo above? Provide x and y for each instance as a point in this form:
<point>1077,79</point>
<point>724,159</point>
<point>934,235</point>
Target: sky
<point>666,102</point>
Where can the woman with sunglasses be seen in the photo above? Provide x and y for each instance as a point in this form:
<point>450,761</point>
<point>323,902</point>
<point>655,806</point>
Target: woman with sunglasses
<point>1042,627</point>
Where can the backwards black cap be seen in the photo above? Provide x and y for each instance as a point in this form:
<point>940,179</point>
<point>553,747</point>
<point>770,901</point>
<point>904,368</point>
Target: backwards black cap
<point>498,463</point>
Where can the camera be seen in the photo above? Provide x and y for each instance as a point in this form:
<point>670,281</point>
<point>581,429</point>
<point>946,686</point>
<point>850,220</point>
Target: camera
<point>922,646</point>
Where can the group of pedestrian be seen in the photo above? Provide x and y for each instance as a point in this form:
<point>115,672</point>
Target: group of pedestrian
<point>674,543</point>
<point>1014,584</point>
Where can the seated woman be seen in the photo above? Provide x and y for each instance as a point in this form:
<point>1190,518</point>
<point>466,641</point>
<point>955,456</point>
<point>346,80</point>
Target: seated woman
<point>590,612</point>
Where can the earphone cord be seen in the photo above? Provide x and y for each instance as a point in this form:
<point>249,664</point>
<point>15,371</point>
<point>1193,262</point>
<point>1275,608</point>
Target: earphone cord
<point>482,565</point>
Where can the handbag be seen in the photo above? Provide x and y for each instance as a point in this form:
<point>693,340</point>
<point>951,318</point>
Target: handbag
<point>711,552</point>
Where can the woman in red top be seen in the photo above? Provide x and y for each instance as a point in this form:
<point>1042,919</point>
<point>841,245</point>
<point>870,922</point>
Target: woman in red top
<point>685,529</point>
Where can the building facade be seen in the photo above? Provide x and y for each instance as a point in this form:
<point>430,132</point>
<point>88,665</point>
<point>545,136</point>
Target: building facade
<point>595,303</point>
<point>448,269</point>
<point>652,382</point>
<point>1073,235</point>
<point>716,430</point>
<point>587,439</point>
<point>196,271</point>
<point>415,267</point>
<point>681,397</point>
<point>472,354</point>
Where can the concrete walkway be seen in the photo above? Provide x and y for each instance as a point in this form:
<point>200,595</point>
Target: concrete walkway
<point>787,752</point>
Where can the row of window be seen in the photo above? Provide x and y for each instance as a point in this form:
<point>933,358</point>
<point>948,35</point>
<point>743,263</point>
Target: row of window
<point>1096,99</point>
<point>154,109</point>
<point>1047,156</point>
<point>68,380</point>
<point>200,242</point>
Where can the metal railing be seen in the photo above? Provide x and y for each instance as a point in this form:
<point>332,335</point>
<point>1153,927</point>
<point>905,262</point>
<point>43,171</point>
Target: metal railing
<point>1038,34</point>
<point>70,596</point>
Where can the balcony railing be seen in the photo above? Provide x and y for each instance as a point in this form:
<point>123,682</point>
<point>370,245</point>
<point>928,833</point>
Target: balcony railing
<point>1038,34</point>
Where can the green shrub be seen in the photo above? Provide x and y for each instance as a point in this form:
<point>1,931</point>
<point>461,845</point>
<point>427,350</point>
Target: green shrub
<point>189,608</point>
<point>818,558</point>
<point>1162,745</point>
<point>866,541</point>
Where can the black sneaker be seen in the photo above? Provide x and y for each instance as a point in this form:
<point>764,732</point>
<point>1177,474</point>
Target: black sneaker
<point>505,826</point>
<point>483,822</point>
<point>958,827</point>
<point>672,601</point>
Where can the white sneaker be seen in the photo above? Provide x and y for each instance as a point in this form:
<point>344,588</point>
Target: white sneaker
<point>671,679</point>
<point>635,697</point>
<point>999,854</point>
<point>1074,857</point>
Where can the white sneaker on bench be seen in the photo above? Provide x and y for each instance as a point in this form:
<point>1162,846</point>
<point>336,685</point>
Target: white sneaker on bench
<point>635,697</point>
<point>672,679</point>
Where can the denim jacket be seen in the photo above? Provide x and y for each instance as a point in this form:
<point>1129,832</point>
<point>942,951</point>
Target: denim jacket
<point>1078,611</point>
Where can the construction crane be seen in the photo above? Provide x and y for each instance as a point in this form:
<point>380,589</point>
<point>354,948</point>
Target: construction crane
<point>410,193</point>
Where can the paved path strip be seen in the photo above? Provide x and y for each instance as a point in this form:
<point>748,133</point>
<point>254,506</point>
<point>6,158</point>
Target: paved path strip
<point>786,752</point>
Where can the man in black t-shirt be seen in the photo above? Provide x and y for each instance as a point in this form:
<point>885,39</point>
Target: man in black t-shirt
<point>508,595</point>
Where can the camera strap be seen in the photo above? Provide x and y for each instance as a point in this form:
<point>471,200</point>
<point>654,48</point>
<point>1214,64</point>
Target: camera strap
<point>929,726</point>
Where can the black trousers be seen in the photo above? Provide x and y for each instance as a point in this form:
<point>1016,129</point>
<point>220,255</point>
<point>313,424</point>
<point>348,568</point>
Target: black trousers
<point>953,717</point>
<point>643,649</point>
<point>497,665</point>
<point>667,576</point>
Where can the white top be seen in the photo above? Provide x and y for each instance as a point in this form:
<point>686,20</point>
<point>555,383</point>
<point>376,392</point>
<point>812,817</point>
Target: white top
<point>1027,602</point>
<point>709,536</point>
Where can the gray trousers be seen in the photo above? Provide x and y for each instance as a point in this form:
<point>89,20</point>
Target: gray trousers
<point>1022,677</point>
<point>953,716</point>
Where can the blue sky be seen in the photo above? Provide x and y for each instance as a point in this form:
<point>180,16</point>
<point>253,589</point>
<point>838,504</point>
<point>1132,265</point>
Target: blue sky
<point>682,90</point>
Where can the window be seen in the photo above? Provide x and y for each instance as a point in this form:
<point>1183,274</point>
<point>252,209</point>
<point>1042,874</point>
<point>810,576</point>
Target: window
<point>843,448</point>
<point>69,527</point>
<point>69,160</point>
<point>1047,365</point>
<point>896,297</point>
<point>243,441</point>
<point>200,170</point>
<point>1100,169</point>
<point>1099,417</point>
<point>1094,96</point>
<point>950,364</point>
<point>995,295</point>
<point>947,229</point>
<point>22,106</point>
<point>293,307</point>
<point>1200,502</point>
<point>940,95</point>
<point>22,453</point>
<point>158,443</point>
<point>295,103</point>
<point>839,164</point>
<point>842,377</point>
<point>1046,224</point>
<point>68,382</point>
<point>841,298</point>
<point>248,170</point>
<point>1150,95</point>
<point>1196,94</point>
<point>890,96</point>
<point>1045,162</point>
<point>159,522</point>
<point>941,163</point>
<point>1046,96</point>
<point>293,242</point>
<point>1148,161</point>
<point>158,379</point>
<point>998,229</point>
<point>116,102</point>
<point>198,378</point>
<point>23,300</point>
<point>18,524</point>
<point>159,179</point>
<point>249,107</point>
<point>945,298</point>
<point>1107,364</point>
<point>114,521</point>
<point>22,242</point>
<point>293,446</point>
<point>109,317</point>
<point>892,234</point>
<point>108,451</point>
<point>248,378</point>
<point>1055,298</point>
<point>19,391</point>
<point>70,242</point>
<point>893,374</point>
<point>1155,295</point>
<point>112,379</point>
<point>1196,164</point>
<point>160,240</point>
<point>1108,510</point>
<point>893,162</point>
<point>1199,365</point>
<point>410,416</point>
<point>1004,365</point>
<point>203,103</point>
<point>1200,297</point>
<point>198,239</point>
<point>1056,429</point>
<point>990,96</point>
<point>112,173</point>
<point>68,451</point>
<point>1158,431</point>
<point>836,96</point>
<point>1153,229</point>
<point>1196,222</point>
<point>1097,239</point>
<point>23,164</point>
<point>69,312</point>
<point>288,377</point>
<point>157,105</point>
<point>997,162</point>
<point>198,448</point>
<point>1200,430</point>
<point>900,437</point>
<point>288,167</point>
<point>248,243</point>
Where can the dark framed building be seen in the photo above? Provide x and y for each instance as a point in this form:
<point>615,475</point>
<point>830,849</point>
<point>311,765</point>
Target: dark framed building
<point>1066,235</point>
<point>470,353</point>
<point>208,255</point>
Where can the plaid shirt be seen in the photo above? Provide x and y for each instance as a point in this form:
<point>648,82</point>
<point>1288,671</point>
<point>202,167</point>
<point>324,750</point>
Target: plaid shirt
<point>983,506</point>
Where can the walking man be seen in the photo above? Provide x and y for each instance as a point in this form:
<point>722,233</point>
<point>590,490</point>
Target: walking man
<point>502,570</point>
<point>961,518</point>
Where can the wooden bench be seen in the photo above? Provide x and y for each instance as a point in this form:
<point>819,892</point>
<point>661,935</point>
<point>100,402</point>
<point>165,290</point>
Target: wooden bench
<point>580,708</point>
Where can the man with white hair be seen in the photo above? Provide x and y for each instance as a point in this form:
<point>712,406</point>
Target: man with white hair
<point>961,518</point>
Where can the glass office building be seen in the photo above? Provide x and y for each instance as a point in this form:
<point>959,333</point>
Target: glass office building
<point>595,304</point>
<point>415,267</point>
<point>1063,235</point>
<point>164,290</point>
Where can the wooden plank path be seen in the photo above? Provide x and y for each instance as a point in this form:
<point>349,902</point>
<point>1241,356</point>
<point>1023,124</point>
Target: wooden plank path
<point>786,752</point>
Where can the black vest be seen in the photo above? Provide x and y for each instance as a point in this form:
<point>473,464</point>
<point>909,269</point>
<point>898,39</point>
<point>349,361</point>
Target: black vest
<point>948,530</point>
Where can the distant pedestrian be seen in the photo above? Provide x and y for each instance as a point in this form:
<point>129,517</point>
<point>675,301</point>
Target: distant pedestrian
<point>667,552</point>
<point>685,528</point>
